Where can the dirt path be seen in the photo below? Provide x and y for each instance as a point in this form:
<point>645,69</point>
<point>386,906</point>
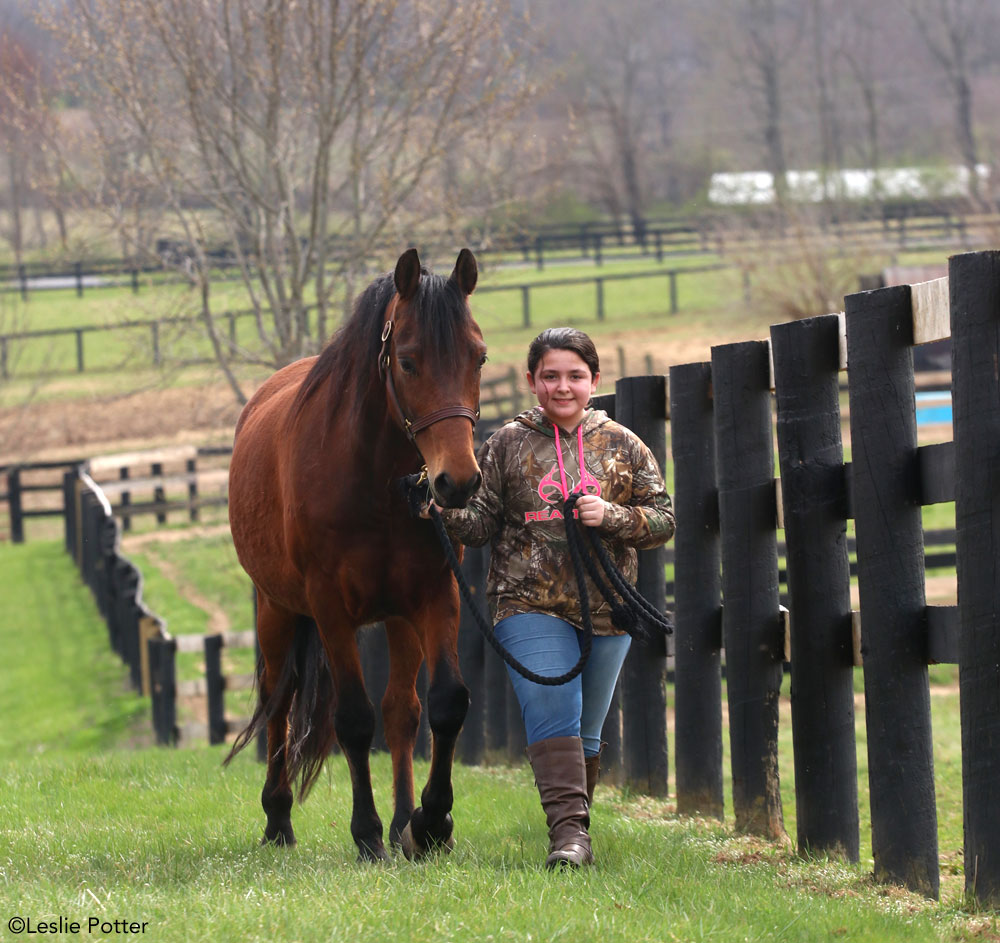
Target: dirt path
<point>218,621</point>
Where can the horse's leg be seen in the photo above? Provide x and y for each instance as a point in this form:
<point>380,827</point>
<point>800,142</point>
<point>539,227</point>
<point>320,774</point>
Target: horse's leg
<point>354,723</point>
<point>276,633</point>
<point>431,824</point>
<point>401,717</point>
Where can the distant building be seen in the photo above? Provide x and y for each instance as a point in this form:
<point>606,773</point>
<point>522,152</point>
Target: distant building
<point>756,187</point>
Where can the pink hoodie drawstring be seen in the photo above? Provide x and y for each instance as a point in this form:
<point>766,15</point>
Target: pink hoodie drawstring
<point>586,479</point>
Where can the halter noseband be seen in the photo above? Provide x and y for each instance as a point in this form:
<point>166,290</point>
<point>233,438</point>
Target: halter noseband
<point>412,426</point>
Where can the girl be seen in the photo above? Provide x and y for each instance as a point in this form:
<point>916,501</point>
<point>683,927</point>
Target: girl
<point>530,467</point>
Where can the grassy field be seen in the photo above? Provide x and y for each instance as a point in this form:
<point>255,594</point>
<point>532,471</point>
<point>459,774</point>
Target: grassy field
<point>635,312</point>
<point>95,826</point>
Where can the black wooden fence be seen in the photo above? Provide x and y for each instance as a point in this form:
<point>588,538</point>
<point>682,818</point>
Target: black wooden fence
<point>93,538</point>
<point>728,510</point>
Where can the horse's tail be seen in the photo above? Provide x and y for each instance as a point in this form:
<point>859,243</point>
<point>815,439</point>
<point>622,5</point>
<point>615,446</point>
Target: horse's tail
<point>307,685</point>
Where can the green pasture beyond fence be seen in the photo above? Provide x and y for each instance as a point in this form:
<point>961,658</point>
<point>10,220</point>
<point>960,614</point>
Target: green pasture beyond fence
<point>616,298</point>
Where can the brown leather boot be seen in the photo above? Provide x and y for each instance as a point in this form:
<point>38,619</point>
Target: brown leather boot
<point>561,777</point>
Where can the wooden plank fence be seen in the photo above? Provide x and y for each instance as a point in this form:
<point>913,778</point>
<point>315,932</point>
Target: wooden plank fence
<point>139,636</point>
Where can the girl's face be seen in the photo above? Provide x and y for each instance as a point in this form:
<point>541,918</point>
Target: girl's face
<point>563,385</point>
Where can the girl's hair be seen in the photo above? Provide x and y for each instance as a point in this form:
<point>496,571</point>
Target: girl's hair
<point>564,338</point>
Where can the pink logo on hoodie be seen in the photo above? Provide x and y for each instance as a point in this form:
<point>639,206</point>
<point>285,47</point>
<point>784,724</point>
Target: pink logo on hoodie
<point>550,488</point>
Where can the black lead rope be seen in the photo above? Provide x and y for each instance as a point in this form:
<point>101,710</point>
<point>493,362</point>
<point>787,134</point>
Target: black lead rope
<point>633,615</point>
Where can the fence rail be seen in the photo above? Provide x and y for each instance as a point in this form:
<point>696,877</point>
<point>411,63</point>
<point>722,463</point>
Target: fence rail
<point>154,329</point>
<point>139,636</point>
<point>897,227</point>
<point>724,421</point>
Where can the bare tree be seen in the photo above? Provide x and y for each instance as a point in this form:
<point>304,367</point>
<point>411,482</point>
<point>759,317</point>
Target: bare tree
<point>18,76</point>
<point>623,75</point>
<point>961,36</point>
<point>759,38</point>
<point>299,135</point>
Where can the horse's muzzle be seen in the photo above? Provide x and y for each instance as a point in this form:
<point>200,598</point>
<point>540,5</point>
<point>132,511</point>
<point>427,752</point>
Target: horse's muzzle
<point>449,493</point>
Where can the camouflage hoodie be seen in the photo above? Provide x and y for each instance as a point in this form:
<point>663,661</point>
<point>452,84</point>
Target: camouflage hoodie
<point>519,509</point>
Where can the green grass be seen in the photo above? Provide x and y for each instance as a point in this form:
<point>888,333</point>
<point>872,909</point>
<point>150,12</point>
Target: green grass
<point>92,828</point>
<point>60,685</point>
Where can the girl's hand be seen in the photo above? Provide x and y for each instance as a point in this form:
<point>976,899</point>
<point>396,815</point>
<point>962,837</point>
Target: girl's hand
<point>425,511</point>
<point>591,509</point>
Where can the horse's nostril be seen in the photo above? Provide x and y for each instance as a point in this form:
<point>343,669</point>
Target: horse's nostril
<point>451,494</point>
<point>444,487</point>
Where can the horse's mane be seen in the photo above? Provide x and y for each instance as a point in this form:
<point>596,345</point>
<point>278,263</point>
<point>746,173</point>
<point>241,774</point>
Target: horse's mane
<point>441,316</point>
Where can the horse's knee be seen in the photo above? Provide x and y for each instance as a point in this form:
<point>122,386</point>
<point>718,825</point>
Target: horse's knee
<point>447,702</point>
<point>401,716</point>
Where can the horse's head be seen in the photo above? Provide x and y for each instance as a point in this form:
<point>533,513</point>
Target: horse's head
<point>432,355</point>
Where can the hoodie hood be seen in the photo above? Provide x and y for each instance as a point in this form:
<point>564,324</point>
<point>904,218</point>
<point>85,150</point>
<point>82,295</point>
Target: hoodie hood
<point>535,419</point>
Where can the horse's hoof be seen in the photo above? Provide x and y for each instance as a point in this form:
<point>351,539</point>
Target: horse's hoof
<point>414,850</point>
<point>372,855</point>
<point>282,837</point>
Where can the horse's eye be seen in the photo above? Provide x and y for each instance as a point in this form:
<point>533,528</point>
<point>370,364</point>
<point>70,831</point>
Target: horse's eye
<point>482,361</point>
<point>407,366</point>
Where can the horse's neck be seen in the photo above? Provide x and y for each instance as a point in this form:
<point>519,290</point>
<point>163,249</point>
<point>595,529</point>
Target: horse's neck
<point>369,431</point>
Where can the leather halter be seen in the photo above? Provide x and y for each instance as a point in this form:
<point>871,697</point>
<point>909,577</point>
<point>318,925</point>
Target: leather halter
<point>412,426</point>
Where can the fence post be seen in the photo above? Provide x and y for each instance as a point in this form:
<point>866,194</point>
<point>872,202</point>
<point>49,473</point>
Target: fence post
<point>163,678</point>
<point>697,594</point>
<point>599,282</point>
<point>22,277</point>
<point>539,253</point>
<point>814,492</point>
<point>525,305</point>
<point>135,280</point>
<point>192,469</point>
<point>154,328</point>
<point>494,705</point>
<point>517,739</point>
<point>612,761</point>
<point>886,495</point>
<point>149,628</point>
<point>126,499</point>
<point>14,505</point>
<point>69,511</point>
<point>215,684</point>
<point>641,405</point>
<point>78,272</point>
<point>79,350</point>
<point>752,626</point>
<point>374,649</point>
<point>472,661</point>
<point>159,493</point>
<point>974,280</point>
<point>673,290</point>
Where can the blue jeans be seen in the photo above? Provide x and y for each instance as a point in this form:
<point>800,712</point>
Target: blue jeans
<point>549,646</point>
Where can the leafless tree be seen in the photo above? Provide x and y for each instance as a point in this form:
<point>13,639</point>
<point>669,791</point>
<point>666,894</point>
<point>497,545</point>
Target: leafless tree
<point>760,39</point>
<point>623,76</point>
<point>961,36</point>
<point>298,134</point>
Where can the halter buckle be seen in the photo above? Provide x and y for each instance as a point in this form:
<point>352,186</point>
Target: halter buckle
<point>386,331</point>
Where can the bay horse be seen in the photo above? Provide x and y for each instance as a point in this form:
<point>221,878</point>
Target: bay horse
<point>322,529</point>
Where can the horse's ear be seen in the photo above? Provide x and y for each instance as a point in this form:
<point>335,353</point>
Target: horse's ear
<point>407,274</point>
<point>466,272</point>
